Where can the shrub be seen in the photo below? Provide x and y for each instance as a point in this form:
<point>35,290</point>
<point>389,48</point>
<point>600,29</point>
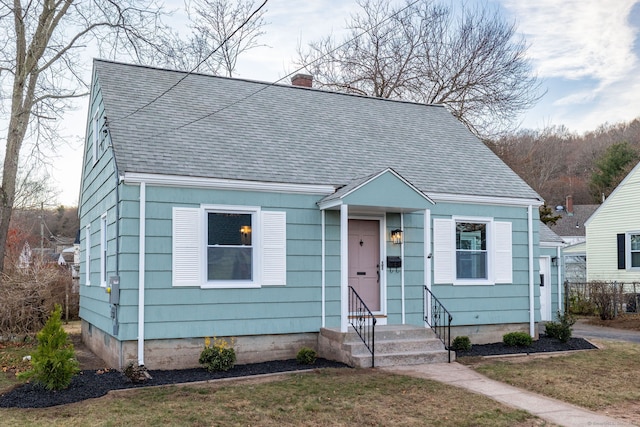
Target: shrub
<point>219,356</point>
<point>461,343</point>
<point>306,356</point>
<point>561,329</point>
<point>53,362</point>
<point>517,339</point>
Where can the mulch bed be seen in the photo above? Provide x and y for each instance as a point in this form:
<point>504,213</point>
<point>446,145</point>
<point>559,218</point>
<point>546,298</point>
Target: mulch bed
<point>542,345</point>
<point>90,384</point>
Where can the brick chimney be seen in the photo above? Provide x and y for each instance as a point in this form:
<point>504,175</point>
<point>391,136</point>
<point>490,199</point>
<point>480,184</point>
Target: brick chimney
<point>304,80</point>
<point>570,205</point>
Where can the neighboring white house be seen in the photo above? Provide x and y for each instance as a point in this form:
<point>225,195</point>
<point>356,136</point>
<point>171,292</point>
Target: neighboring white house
<point>613,234</point>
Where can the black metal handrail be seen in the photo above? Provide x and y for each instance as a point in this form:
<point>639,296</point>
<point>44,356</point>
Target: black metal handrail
<point>440,319</point>
<point>363,321</point>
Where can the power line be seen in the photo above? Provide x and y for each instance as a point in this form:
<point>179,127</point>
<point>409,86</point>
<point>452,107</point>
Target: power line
<point>266,86</point>
<point>173,86</point>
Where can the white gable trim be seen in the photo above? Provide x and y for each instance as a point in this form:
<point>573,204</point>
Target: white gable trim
<point>225,184</point>
<point>636,169</point>
<point>483,200</point>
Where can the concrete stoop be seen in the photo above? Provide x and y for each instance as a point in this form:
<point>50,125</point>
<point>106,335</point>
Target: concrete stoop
<point>394,345</point>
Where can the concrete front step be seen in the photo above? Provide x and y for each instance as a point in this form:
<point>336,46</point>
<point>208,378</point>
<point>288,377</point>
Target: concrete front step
<point>394,345</point>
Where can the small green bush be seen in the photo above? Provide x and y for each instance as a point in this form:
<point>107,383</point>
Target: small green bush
<point>217,357</point>
<point>306,356</point>
<point>561,329</point>
<point>517,339</point>
<point>461,343</point>
<point>53,363</point>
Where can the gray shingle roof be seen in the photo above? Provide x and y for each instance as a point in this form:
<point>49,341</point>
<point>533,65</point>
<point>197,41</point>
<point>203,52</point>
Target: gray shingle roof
<point>547,235</point>
<point>217,127</point>
<point>573,225</point>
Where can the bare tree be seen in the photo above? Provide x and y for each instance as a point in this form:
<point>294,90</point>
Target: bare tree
<point>40,67</point>
<point>214,23</point>
<point>469,60</point>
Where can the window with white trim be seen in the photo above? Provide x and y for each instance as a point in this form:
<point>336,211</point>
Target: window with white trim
<point>87,254</point>
<point>634,250</point>
<point>219,246</point>
<point>103,250</point>
<point>472,251</point>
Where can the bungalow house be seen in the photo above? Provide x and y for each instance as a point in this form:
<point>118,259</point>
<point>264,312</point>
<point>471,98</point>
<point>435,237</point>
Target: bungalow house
<point>613,234</point>
<point>223,207</point>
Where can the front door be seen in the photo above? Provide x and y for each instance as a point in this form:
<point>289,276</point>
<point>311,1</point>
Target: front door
<point>364,261</point>
<point>545,289</point>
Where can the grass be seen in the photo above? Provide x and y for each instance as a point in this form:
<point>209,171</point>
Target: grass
<point>11,354</point>
<point>601,380</point>
<point>340,397</point>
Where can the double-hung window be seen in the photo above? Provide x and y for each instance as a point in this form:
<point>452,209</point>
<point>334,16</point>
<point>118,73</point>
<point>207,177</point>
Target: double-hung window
<point>220,246</point>
<point>634,249</point>
<point>230,251</point>
<point>472,251</point>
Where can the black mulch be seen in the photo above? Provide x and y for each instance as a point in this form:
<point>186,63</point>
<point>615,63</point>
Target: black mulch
<point>90,384</point>
<point>542,345</point>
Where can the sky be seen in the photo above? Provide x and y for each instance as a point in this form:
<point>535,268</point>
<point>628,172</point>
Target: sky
<point>585,53</point>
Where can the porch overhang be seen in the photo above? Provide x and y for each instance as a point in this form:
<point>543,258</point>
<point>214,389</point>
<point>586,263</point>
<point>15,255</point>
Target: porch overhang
<point>385,191</point>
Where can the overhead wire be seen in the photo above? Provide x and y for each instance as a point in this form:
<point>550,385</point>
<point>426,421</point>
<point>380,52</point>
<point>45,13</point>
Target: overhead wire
<point>173,86</point>
<point>266,86</point>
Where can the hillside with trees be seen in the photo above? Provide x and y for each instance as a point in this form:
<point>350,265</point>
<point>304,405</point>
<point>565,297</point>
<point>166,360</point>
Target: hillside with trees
<point>558,163</point>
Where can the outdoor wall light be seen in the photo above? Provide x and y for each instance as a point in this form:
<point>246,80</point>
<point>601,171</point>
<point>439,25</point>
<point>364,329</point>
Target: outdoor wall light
<point>554,261</point>
<point>396,236</point>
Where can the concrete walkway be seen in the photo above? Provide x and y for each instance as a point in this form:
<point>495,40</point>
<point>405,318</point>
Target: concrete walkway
<point>548,409</point>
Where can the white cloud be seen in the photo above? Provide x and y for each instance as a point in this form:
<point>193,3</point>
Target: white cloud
<point>574,39</point>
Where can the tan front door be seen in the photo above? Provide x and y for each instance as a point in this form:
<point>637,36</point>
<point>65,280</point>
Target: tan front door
<point>364,261</point>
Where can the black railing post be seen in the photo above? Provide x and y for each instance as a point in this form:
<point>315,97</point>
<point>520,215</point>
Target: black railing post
<point>358,315</point>
<point>436,318</point>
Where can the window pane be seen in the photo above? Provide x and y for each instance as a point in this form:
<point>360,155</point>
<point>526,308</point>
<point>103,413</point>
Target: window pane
<point>229,229</point>
<point>635,259</point>
<point>635,242</point>
<point>224,263</point>
<point>470,236</point>
<point>471,265</point>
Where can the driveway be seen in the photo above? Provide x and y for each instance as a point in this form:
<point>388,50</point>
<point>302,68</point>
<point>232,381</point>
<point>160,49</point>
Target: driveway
<point>584,330</point>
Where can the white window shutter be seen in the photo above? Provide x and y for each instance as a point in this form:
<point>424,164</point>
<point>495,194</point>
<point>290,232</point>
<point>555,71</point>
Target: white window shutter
<point>187,250</point>
<point>444,251</point>
<point>274,248</point>
<point>503,252</point>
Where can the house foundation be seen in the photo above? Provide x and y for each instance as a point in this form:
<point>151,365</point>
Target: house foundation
<point>183,353</point>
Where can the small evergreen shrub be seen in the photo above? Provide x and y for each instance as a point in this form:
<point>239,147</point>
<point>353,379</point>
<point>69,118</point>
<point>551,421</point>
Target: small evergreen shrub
<point>517,339</point>
<point>461,343</point>
<point>219,356</point>
<point>561,329</point>
<point>53,363</point>
<point>306,356</point>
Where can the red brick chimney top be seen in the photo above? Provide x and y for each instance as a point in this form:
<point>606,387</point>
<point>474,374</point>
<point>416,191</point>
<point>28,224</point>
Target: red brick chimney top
<point>304,80</point>
<point>570,205</point>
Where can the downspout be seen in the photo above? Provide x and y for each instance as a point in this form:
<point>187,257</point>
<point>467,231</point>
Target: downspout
<point>532,314</point>
<point>323,261</point>
<point>559,268</point>
<point>402,269</point>
<point>141,275</point>
<point>427,262</point>
<point>344,268</point>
